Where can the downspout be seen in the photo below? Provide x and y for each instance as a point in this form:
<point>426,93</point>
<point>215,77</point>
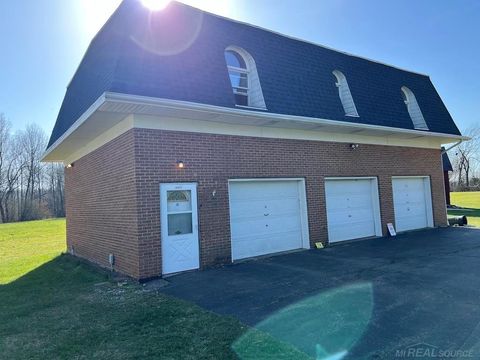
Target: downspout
<point>444,189</point>
<point>453,146</point>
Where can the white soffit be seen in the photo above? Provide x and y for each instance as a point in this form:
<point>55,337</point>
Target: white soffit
<point>112,108</point>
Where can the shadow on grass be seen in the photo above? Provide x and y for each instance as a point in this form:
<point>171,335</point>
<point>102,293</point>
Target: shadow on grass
<point>68,309</point>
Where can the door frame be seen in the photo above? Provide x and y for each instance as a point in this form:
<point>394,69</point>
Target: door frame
<point>302,195</point>
<point>428,198</point>
<point>164,187</point>
<point>375,198</point>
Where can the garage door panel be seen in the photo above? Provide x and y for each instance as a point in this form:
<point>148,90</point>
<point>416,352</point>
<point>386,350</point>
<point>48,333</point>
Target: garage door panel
<point>253,227</point>
<point>411,203</point>
<point>342,218</point>
<point>340,202</point>
<point>259,207</point>
<point>265,217</point>
<point>360,229</point>
<point>338,186</point>
<point>263,189</point>
<point>350,209</point>
<point>411,223</point>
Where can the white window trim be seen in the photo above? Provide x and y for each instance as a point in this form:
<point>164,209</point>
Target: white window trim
<point>254,91</point>
<point>342,83</point>
<point>412,108</point>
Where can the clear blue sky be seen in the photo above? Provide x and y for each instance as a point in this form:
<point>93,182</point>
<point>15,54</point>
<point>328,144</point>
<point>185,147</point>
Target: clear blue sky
<point>43,41</point>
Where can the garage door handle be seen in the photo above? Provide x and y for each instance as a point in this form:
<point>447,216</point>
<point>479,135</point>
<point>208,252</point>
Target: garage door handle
<point>266,214</point>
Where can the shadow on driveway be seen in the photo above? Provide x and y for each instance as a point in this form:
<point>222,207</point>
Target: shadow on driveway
<point>367,299</point>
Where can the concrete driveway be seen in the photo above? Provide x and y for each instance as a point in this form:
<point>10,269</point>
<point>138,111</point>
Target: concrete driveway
<point>416,294</point>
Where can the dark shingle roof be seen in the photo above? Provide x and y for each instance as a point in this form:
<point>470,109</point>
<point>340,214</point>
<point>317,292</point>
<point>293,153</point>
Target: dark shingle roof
<point>296,76</point>
<point>447,165</point>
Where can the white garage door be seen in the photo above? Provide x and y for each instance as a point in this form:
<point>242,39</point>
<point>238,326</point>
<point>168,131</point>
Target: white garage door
<point>412,203</point>
<point>352,208</point>
<point>267,216</point>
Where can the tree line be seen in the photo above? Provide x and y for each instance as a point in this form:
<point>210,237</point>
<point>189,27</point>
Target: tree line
<point>465,159</point>
<point>29,189</point>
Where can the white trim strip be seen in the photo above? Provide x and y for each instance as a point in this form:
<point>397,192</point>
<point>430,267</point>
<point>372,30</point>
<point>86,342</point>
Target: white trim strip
<point>89,112</point>
<point>182,105</point>
<point>241,112</point>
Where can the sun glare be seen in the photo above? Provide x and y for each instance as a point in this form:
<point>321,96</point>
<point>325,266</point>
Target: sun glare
<point>222,7</point>
<point>155,5</point>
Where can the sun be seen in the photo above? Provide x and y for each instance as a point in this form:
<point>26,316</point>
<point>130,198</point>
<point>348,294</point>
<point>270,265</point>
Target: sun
<point>155,5</point>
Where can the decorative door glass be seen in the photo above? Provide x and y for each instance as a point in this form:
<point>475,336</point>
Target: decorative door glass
<point>179,208</point>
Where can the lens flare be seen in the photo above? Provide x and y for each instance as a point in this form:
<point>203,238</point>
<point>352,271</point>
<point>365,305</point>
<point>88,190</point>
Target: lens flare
<point>155,5</point>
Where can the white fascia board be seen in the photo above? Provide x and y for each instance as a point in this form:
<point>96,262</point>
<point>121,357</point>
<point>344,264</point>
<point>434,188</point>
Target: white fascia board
<point>119,98</point>
<point>89,112</point>
<point>186,105</point>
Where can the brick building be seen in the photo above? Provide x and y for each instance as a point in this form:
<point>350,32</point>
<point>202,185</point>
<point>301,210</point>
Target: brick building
<point>191,140</point>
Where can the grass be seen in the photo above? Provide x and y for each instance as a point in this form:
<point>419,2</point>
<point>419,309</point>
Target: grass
<point>471,202</point>
<point>55,306</point>
<point>25,246</point>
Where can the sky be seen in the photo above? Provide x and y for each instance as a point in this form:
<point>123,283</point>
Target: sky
<point>42,43</point>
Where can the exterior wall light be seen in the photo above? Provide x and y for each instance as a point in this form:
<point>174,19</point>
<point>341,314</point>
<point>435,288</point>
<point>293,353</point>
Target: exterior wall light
<point>180,164</point>
<point>69,166</point>
<point>354,146</point>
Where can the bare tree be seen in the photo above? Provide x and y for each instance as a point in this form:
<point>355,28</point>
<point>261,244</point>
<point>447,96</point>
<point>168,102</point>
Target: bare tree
<point>33,142</point>
<point>10,168</point>
<point>56,191</point>
<point>466,157</point>
<point>29,189</point>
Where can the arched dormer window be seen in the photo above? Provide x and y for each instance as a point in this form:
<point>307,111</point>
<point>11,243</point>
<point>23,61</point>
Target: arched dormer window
<point>344,93</point>
<point>244,78</point>
<point>413,109</point>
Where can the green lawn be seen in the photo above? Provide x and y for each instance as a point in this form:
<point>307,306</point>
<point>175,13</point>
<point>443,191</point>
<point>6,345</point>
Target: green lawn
<point>54,306</point>
<point>25,246</point>
<point>471,202</point>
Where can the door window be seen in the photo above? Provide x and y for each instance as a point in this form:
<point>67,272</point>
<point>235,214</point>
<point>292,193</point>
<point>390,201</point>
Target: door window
<point>179,208</point>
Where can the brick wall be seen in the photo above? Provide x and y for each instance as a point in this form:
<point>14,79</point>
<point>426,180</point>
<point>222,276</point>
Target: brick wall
<point>210,160</point>
<point>106,187</point>
<point>101,206</point>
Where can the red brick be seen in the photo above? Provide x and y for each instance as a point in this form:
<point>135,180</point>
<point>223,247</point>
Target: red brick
<point>113,192</point>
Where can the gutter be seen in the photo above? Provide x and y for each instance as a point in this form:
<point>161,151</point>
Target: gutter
<point>187,105</point>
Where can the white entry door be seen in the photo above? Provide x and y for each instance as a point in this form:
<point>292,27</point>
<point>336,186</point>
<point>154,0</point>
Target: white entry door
<point>412,203</point>
<point>267,216</point>
<point>178,209</point>
<point>353,210</point>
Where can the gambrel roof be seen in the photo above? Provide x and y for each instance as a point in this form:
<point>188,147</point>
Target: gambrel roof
<point>178,54</point>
